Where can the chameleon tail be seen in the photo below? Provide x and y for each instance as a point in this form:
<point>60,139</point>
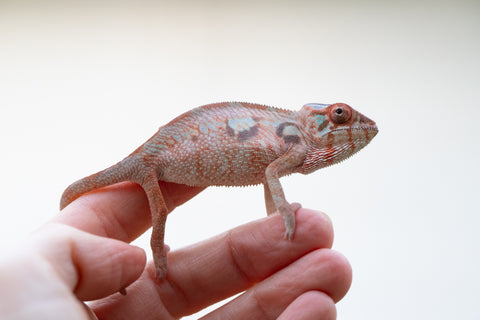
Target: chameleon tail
<point>119,172</point>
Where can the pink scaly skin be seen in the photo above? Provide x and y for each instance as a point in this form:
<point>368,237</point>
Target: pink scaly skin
<point>235,144</point>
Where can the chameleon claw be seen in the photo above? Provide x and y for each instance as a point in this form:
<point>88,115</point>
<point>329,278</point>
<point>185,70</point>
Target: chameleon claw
<point>288,235</point>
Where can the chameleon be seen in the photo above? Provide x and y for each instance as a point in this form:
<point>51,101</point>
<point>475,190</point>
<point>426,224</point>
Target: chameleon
<point>234,144</point>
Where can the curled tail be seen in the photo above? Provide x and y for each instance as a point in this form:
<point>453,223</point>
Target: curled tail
<point>122,171</point>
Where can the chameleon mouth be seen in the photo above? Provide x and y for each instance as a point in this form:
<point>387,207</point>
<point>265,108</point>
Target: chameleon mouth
<point>371,128</point>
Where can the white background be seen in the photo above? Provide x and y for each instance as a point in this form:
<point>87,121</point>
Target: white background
<point>82,84</point>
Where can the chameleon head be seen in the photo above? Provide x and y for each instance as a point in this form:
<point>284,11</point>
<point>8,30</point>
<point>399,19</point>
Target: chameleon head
<point>333,133</point>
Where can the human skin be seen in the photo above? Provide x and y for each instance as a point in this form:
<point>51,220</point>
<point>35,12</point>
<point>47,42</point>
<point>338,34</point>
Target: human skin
<point>83,254</point>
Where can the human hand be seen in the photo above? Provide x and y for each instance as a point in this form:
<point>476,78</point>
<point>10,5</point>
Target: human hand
<point>62,265</point>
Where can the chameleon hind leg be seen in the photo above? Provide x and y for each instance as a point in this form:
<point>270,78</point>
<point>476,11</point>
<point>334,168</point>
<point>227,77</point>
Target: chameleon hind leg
<point>159,213</point>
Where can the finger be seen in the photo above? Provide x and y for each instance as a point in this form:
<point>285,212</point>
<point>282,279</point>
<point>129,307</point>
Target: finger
<point>93,267</point>
<point>215,269</point>
<point>120,211</point>
<point>311,305</point>
<point>321,270</point>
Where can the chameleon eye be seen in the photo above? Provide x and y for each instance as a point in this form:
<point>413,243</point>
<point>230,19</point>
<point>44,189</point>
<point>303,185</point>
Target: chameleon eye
<point>340,113</point>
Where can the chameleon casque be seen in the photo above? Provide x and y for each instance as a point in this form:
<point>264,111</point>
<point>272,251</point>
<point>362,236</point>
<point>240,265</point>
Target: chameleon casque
<point>235,144</point>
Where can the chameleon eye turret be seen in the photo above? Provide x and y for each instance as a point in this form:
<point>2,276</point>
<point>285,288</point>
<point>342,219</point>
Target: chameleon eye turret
<point>340,113</point>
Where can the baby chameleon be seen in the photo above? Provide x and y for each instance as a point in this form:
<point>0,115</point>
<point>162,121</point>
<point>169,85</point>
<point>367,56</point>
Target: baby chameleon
<point>235,144</point>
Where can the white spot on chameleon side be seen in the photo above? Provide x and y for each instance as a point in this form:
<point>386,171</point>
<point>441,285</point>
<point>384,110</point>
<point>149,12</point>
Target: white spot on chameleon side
<point>241,124</point>
<point>291,131</point>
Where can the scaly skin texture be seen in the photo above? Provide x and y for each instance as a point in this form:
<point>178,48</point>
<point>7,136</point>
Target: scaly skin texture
<point>235,144</point>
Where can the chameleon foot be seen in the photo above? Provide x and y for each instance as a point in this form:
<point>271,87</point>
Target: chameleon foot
<point>288,214</point>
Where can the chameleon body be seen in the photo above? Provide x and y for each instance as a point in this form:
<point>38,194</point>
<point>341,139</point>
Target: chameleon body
<point>235,144</point>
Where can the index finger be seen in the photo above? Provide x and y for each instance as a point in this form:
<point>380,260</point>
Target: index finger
<point>252,257</point>
<point>121,211</point>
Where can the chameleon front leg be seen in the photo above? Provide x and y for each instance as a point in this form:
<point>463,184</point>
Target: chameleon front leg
<point>159,213</point>
<point>269,204</point>
<point>274,195</point>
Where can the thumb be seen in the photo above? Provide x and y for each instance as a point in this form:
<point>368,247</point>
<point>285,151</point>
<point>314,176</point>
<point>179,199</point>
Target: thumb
<point>91,266</point>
